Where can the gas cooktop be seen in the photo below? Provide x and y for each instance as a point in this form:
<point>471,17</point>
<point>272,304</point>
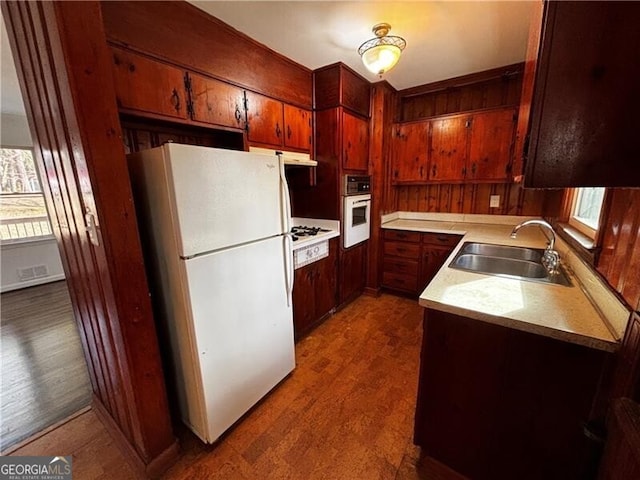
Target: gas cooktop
<point>301,231</point>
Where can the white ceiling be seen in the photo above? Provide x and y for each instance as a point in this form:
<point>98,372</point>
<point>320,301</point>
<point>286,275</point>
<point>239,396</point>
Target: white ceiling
<point>444,39</point>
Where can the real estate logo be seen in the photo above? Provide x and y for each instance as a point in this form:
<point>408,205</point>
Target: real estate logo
<point>35,468</point>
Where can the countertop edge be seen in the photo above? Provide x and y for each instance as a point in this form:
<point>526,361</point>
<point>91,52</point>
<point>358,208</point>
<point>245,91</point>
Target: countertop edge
<point>556,334</point>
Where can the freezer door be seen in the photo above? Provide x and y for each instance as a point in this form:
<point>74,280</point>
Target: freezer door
<point>222,198</point>
<point>243,327</point>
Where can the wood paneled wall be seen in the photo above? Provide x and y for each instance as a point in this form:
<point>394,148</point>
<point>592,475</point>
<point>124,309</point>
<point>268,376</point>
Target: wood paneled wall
<point>619,260</point>
<point>184,35</point>
<point>65,76</point>
<point>474,198</point>
<point>490,88</point>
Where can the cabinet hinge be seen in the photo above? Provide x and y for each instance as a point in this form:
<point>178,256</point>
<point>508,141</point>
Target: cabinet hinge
<point>187,87</point>
<point>245,102</point>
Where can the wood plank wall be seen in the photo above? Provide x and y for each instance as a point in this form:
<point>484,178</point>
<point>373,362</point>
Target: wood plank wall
<point>491,88</point>
<point>474,198</point>
<point>619,261</point>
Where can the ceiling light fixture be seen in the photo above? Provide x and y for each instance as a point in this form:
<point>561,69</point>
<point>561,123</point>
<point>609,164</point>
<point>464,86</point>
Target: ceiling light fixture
<point>380,54</point>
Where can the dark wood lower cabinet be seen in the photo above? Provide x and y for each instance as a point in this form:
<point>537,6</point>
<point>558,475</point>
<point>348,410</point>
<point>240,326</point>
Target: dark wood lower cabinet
<point>352,271</point>
<point>497,403</point>
<point>314,291</point>
<point>411,259</point>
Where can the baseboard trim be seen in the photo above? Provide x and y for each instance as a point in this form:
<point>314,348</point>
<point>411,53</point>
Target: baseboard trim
<point>156,466</point>
<point>31,283</point>
<point>372,292</point>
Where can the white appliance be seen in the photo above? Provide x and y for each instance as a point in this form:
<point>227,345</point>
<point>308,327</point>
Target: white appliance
<point>217,223</point>
<point>356,210</point>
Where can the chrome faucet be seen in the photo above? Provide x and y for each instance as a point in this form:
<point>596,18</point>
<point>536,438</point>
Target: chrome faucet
<point>551,258</point>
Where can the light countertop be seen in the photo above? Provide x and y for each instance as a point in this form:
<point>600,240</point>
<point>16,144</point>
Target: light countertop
<point>555,311</point>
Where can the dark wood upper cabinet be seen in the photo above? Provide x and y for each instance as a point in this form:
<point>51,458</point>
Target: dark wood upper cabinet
<point>276,124</point>
<point>490,145</point>
<point>584,114</point>
<point>264,116</point>
<point>448,151</point>
<point>216,102</point>
<point>337,85</point>
<point>297,125</point>
<point>410,152</point>
<point>146,86</point>
<point>355,142</point>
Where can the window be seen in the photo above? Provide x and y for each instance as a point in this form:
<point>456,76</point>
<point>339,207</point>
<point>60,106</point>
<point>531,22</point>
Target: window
<point>585,214</point>
<point>23,215</point>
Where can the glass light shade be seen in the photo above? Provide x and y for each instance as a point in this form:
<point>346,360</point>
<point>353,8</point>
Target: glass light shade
<point>381,58</point>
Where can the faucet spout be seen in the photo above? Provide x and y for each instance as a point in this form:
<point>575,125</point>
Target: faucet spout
<point>542,223</point>
<point>550,259</point>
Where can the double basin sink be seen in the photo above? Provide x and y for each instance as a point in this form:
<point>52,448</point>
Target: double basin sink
<point>507,261</point>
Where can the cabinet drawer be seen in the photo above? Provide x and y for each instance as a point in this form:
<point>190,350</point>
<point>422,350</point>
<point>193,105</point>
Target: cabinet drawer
<point>402,235</point>
<point>400,281</point>
<point>400,265</point>
<point>402,249</point>
<point>441,239</point>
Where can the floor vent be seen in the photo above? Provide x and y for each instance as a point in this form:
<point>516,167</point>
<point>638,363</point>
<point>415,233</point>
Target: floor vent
<point>31,273</point>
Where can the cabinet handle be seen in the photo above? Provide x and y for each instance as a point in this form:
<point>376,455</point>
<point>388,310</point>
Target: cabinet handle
<point>288,132</point>
<point>238,114</point>
<point>401,235</point>
<point>421,171</point>
<point>401,250</point>
<point>175,100</point>
<point>464,172</point>
<point>278,131</point>
<point>434,169</point>
<point>473,169</point>
<point>442,239</point>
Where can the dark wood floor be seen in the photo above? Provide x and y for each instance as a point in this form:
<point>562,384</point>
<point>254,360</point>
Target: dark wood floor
<point>44,374</point>
<point>345,413</point>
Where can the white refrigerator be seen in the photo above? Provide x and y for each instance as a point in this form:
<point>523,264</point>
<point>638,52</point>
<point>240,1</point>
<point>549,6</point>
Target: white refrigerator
<point>215,227</point>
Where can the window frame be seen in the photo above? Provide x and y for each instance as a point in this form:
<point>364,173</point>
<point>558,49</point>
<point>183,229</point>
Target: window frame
<point>34,238</point>
<point>578,224</point>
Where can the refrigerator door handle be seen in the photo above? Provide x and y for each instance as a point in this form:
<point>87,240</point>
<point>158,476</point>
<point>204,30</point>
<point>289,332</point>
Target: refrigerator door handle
<point>289,269</point>
<point>286,197</point>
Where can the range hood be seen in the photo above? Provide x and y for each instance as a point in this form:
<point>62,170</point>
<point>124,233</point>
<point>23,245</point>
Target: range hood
<point>290,158</point>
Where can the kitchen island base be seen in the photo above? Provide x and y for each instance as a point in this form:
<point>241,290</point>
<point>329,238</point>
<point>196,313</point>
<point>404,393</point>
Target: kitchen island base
<point>498,403</point>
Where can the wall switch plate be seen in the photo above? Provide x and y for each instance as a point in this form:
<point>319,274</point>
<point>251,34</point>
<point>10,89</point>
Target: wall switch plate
<point>494,201</point>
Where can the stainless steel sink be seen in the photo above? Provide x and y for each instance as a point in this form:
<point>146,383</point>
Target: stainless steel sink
<point>503,251</point>
<point>506,261</point>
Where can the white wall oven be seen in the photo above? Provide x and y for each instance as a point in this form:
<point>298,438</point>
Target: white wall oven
<point>356,210</point>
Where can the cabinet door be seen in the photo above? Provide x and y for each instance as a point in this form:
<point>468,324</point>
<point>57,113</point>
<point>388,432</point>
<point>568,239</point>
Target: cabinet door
<point>352,269</point>
<point>355,142</point>
<point>297,123</point>
<point>432,260</point>
<point>303,299</point>
<point>148,86</point>
<point>584,117</point>
<point>449,148</point>
<point>216,102</point>
<point>490,145</point>
<point>325,283</point>
<point>265,119</point>
<point>410,152</point>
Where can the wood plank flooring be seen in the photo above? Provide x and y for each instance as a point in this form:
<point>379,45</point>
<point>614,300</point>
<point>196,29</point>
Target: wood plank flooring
<point>346,412</point>
<point>44,374</point>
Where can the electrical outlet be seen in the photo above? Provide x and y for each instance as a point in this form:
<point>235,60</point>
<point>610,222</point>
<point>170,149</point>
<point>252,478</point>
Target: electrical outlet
<point>494,201</point>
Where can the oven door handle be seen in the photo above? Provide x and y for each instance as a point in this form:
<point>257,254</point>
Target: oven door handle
<point>362,201</point>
